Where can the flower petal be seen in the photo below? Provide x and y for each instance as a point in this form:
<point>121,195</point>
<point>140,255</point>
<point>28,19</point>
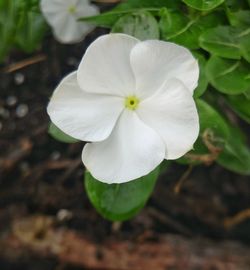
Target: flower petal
<point>65,26</point>
<point>155,61</point>
<point>131,151</point>
<point>67,30</point>
<point>85,9</point>
<point>105,67</point>
<point>84,116</point>
<point>50,6</point>
<point>77,30</point>
<point>172,113</point>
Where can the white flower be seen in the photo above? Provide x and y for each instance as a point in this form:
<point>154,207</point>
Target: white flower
<point>62,16</point>
<point>133,102</point>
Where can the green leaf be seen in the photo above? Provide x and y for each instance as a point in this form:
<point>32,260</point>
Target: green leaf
<point>236,154</point>
<point>130,4</point>
<point>29,5</point>
<point>8,20</point>
<point>241,105</point>
<point>203,5</point>
<point>210,119</point>
<point>227,41</point>
<point>30,31</point>
<point>141,25</point>
<point>179,28</point>
<point>245,44</point>
<point>212,123</point>
<point>235,5</point>
<point>222,41</point>
<point>59,135</point>
<point>108,19</point>
<point>20,23</point>
<point>239,18</point>
<point>203,81</point>
<point>228,76</point>
<point>120,201</point>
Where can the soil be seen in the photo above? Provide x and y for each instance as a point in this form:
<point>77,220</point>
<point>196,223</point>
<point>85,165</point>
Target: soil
<point>41,177</point>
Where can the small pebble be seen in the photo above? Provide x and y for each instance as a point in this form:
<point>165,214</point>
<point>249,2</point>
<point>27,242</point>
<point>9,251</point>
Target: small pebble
<point>19,78</point>
<point>11,101</point>
<point>22,110</point>
<point>64,214</point>
<point>5,114</point>
<point>55,155</point>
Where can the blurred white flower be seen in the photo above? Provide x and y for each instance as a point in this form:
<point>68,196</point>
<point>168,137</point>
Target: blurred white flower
<point>62,16</point>
<point>133,102</point>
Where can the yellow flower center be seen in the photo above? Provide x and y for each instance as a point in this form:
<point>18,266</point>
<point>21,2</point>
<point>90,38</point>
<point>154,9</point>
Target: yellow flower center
<point>72,9</point>
<point>131,102</point>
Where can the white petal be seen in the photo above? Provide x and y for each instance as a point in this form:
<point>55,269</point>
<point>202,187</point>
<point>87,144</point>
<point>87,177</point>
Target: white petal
<point>62,5</point>
<point>54,14</point>
<point>172,113</point>
<point>66,27</point>
<point>105,67</point>
<point>85,10</point>
<point>84,116</point>
<point>131,151</point>
<point>80,29</point>
<point>53,6</point>
<point>155,61</point>
<point>71,31</point>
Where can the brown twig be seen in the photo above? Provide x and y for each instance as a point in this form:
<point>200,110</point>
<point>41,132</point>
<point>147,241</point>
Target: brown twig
<point>169,221</point>
<point>208,139</point>
<point>16,154</point>
<point>236,219</point>
<point>180,182</point>
<point>24,63</point>
<point>73,166</point>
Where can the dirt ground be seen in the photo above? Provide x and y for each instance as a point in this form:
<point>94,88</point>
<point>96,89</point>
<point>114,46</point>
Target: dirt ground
<point>46,220</point>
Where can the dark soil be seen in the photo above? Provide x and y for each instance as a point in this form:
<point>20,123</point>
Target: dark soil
<point>41,176</point>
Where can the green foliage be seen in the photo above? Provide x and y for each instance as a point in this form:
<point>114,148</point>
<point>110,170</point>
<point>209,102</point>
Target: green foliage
<point>211,120</point>
<point>141,25</point>
<point>239,18</point>
<point>177,27</point>
<point>30,31</point>
<point>213,130</point>
<point>221,41</point>
<point>8,13</point>
<point>132,4</point>
<point>228,76</point>
<point>236,4</point>
<point>120,201</point>
<point>59,135</point>
<point>203,5</point>
<point>185,29</point>
<point>236,154</point>
<point>219,141</point>
<point>108,19</point>
<point>203,81</point>
<point>20,25</point>
<point>227,41</point>
<point>241,105</point>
